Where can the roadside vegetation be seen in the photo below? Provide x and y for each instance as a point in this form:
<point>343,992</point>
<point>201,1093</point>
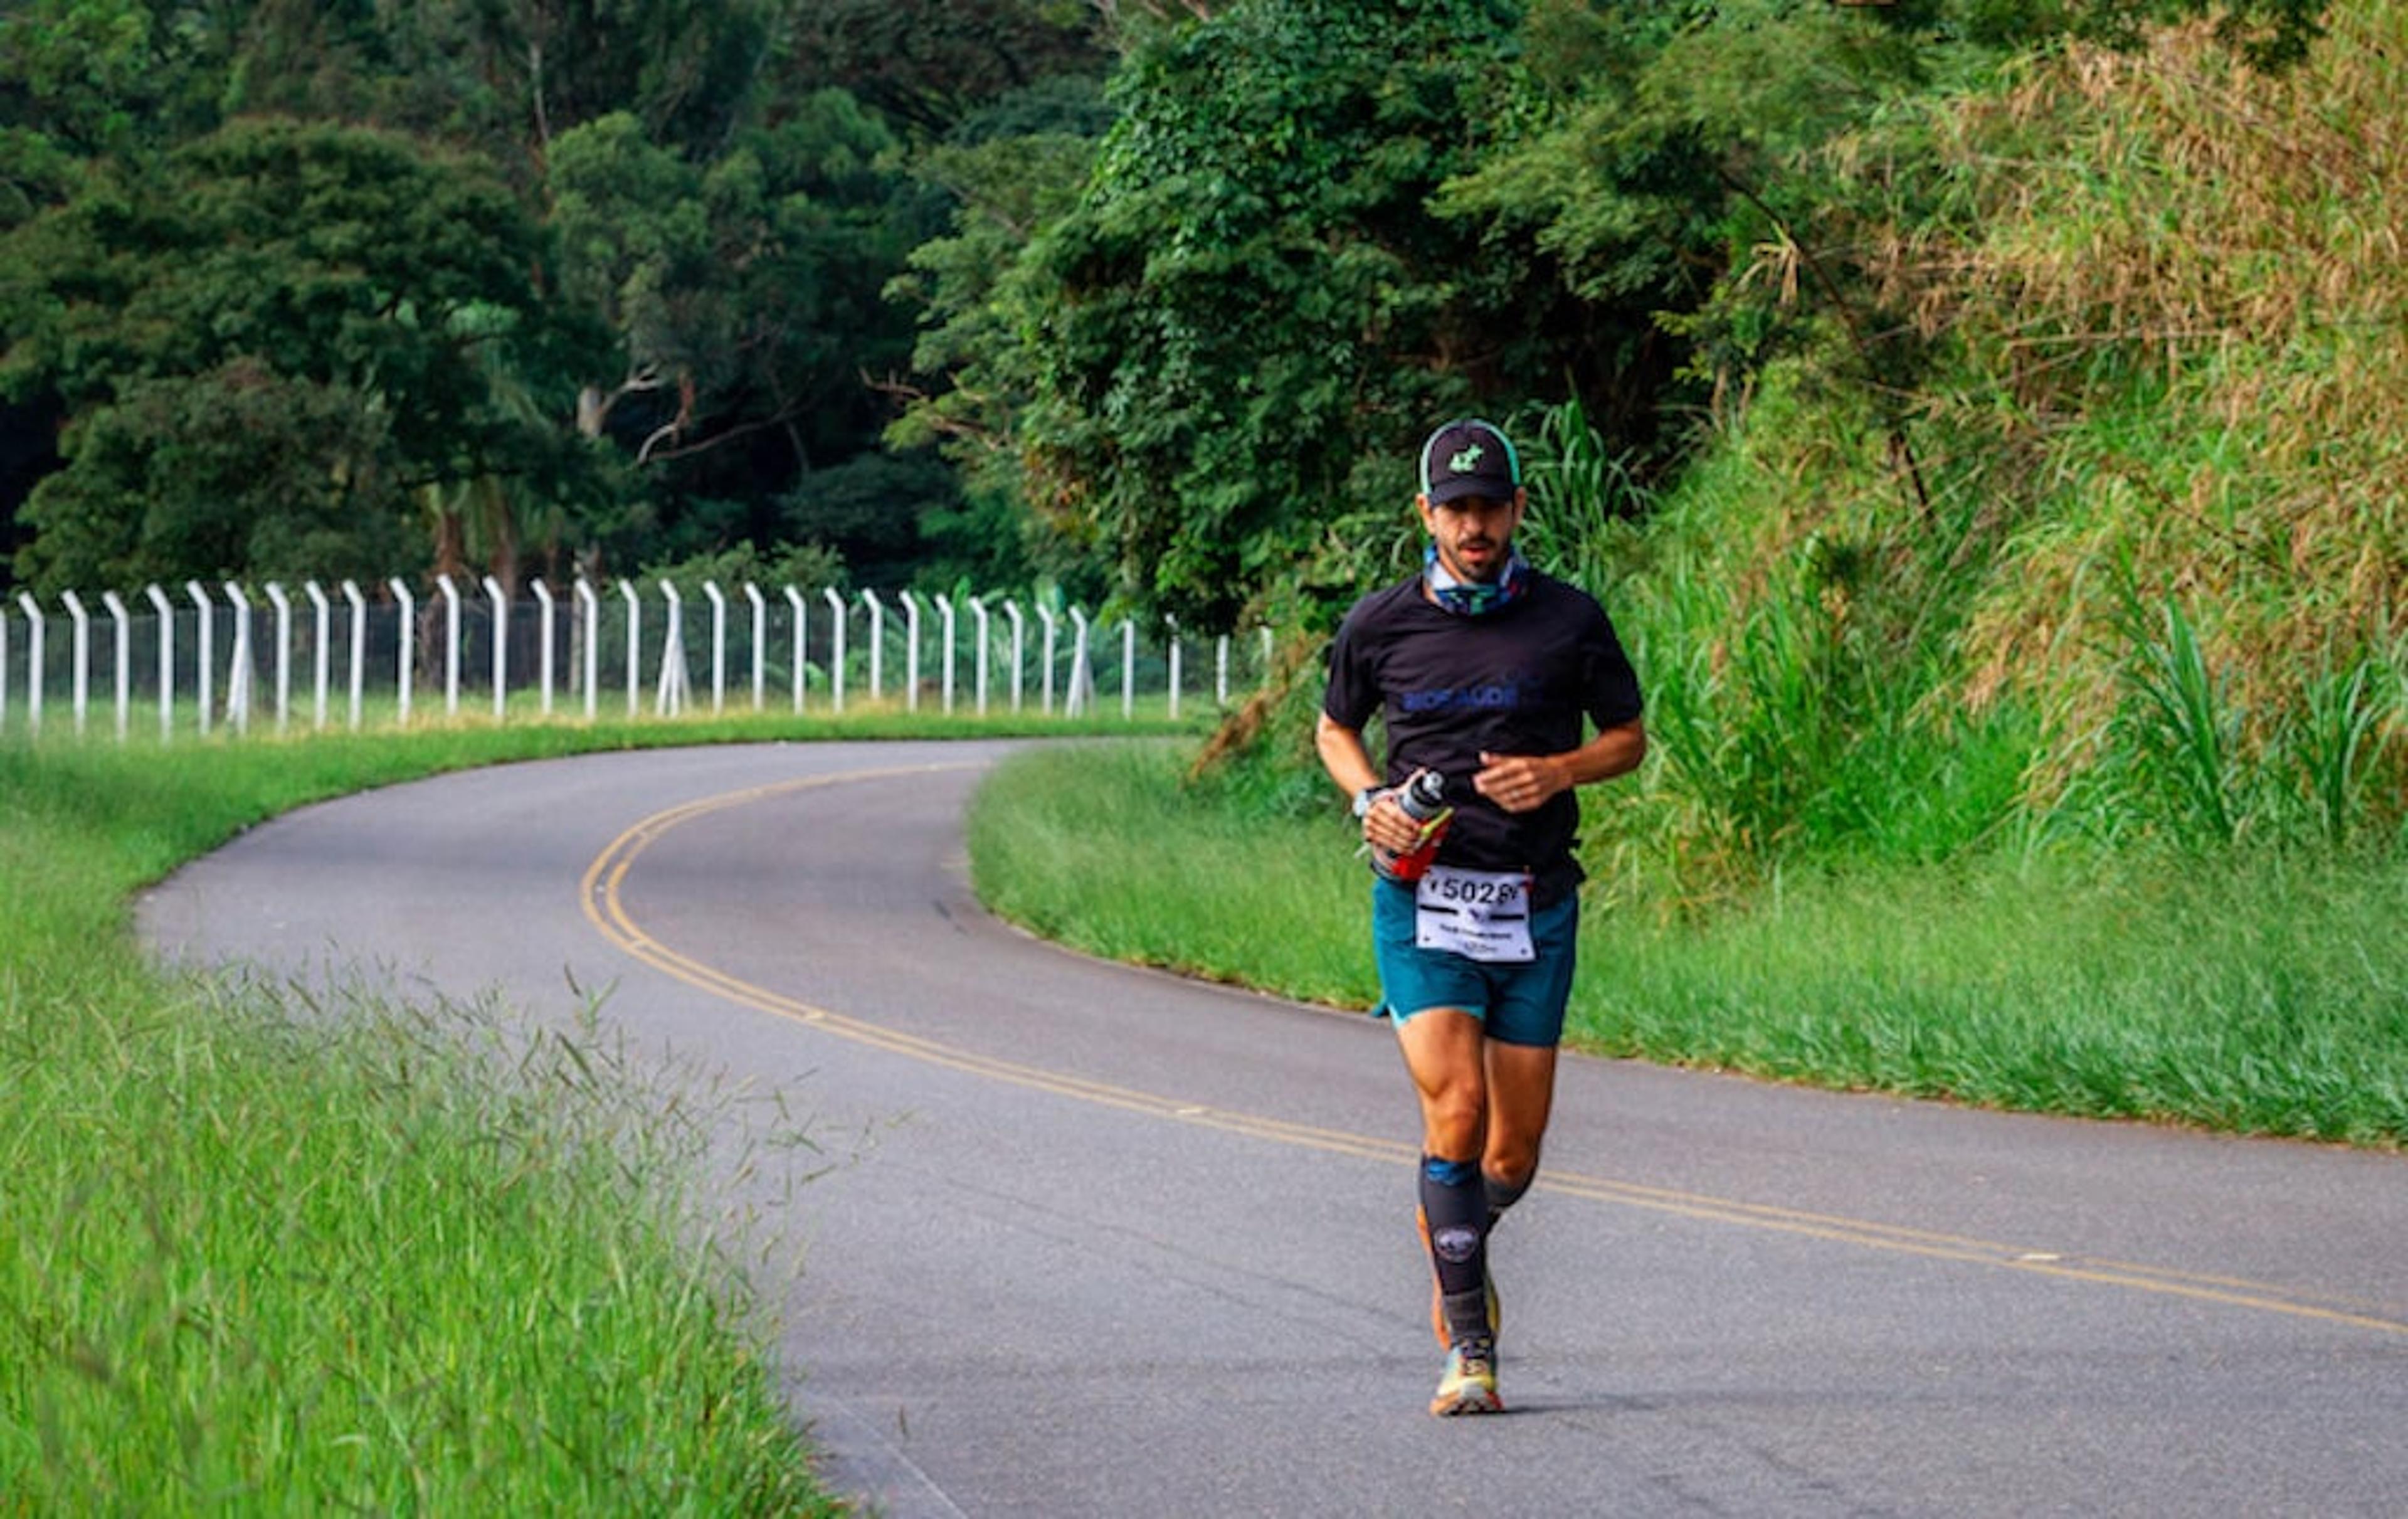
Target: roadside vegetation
<point>2028,689</point>
<point>2264,994</point>
<point>274,1252</point>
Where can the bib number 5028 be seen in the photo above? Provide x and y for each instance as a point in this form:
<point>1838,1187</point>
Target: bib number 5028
<point>1481,889</point>
<point>1480,914</point>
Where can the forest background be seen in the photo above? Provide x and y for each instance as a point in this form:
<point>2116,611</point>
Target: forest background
<point>1981,415</point>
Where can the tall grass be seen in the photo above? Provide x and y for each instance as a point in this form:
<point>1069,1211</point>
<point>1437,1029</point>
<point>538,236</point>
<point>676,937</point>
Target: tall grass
<point>1230,893</point>
<point>2261,995</point>
<point>2149,587</point>
<point>268,1254</point>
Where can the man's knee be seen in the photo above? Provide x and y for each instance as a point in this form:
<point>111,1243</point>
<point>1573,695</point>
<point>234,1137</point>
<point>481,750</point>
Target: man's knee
<point>1510,1161</point>
<point>1457,1118</point>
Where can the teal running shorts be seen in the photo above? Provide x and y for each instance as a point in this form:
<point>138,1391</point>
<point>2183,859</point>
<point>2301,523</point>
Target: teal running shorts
<point>1519,1003</point>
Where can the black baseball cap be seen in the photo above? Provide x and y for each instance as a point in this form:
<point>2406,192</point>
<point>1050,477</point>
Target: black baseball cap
<point>1470,457</point>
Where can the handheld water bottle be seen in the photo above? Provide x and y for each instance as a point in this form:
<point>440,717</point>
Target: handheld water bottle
<point>1423,800</point>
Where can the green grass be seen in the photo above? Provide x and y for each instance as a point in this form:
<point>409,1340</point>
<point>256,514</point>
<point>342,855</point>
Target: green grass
<point>2258,992</point>
<point>263,1256</point>
<point>1096,847</point>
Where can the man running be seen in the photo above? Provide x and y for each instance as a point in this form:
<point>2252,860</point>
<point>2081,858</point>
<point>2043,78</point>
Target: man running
<point>1482,670</point>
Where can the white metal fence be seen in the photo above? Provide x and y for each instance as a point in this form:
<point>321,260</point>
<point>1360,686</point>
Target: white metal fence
<point>220,658</point>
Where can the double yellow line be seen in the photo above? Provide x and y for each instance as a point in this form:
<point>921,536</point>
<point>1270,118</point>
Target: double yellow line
<point>603,906</point>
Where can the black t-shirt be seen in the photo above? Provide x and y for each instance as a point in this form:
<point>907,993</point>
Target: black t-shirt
<point>1515,681</point>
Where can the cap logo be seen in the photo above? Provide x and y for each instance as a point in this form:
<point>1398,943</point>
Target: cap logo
<point>1467,461</point>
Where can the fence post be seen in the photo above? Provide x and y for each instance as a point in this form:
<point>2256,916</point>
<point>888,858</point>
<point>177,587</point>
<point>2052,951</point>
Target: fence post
<point>123,645</point>
<point>1011,609</point>
<point>669,698</point>
<point>1129,668</point>
<point>876,644</point>
<point>238,673</point>
<point>3,669</point>
<point>406,659</point>
<point>1083,675</point>
<point>451,644</point>
<point>283,653</point>
<point>80,642</point>
<point>978,621</point>
<point>802,639</point>
<point>207,650</point>
<point>835,622</point>
<point>359,657</point>
<point>166,611</point>
<point>1266,654</point>
<point>592,607</point>
<point>318,663</point>
<point>911,651</point>
<point>760,638</point>
<point>33,661</point>
<point>1045,616</point>
<point>500,603</point>
<point>718,646</point>
<point>945,611</point>
<point>635,640</point>
<point>1221,672</point>
<point>1172,622</point>
<point>545,639</point>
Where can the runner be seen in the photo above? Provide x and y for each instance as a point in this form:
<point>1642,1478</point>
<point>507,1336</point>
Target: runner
<point>1482,670</point>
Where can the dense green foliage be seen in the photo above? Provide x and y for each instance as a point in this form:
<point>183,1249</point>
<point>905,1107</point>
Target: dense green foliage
<point>658,236</point>
<point>270,340</point>
<point>1977,411</point>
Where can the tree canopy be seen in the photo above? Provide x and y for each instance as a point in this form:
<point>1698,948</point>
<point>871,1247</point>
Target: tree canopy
<point>1152,298</point>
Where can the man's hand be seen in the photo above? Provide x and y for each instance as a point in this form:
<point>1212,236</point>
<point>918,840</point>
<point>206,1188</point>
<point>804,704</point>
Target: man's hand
<point>1388,826</point>
<point>1520,782</point>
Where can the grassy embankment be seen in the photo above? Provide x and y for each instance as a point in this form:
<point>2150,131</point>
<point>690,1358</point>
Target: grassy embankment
<point>259,1258</point>
<point>2267,995</point>
<point>2066,771</point>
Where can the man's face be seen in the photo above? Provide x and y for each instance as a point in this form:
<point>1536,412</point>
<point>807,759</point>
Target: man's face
<point>1474,534</point>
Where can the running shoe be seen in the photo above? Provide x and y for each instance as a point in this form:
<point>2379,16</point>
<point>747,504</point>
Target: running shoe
<point>1470,1385</point>
<point>1438,1295</point>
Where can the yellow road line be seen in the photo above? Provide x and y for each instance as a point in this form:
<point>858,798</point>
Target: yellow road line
<point>600,899</point>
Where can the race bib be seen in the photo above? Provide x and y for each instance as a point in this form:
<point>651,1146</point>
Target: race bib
<point>1479,914</point>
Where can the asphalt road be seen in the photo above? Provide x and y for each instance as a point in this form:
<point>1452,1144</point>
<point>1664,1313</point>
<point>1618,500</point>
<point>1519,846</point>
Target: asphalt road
<point>1061,1238</point>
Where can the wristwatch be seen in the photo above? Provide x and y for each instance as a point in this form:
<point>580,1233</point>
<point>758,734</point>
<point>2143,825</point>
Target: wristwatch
<point>1364,799</point>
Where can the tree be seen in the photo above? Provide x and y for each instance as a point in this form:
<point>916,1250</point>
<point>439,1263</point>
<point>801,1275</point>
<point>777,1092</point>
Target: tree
<point>1010,170</point>
<point>102,76</point>
<point>1252,315</point>
<point>926,64</point>
<point>746,291</point>
<point>1678,157</point>
<point>279,265</point>
<point>235,472</point>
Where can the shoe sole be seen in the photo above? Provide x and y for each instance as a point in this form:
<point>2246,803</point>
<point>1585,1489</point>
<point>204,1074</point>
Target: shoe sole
<point>1465,1400</point>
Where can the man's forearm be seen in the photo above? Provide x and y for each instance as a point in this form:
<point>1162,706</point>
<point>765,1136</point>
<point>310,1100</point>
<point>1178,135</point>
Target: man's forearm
<point>1518,782</point>
<point>1614,752</point>
<point>1344,755</point>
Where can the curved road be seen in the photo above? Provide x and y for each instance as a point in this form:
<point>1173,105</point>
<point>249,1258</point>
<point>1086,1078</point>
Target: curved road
<point>1074,1238</point>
